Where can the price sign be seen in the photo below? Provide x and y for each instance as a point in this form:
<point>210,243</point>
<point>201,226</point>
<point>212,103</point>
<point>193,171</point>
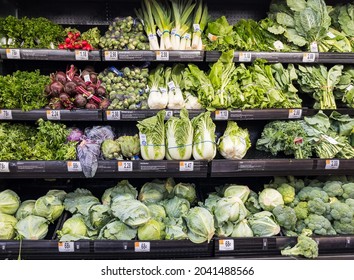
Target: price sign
<point>171,85</point>
<point>4,167</point>
<point>5,115</point>
<point>308,57</point>
<point>162,55</point>
<point>74,166</point>
<point>125,166</point>
<point>314,47</point>
<point>169,114</point>
<point>221,115</point>
<point>113,115</point>
<point>66,247</point>
<point>142,246</point>
<point>244,57</point>
<point>143,141</point>
<point>110,55</point>
<point>53,115</point>
<point>226,245</point>
<point>332,164</point>
<point>81,55</point>
<point>295,113</point>
<point>186,166</point>
<point>13,54</point>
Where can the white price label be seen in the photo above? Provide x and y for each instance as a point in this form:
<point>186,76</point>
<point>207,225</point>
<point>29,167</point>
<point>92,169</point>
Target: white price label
<point>142,246</point>
<point>87,79</point>
<point>212,37</point>
<point>308,57</point>
<point>169,114</point>
<point>332,164</point>
<point>331,35</point>
<point>159,33</point>
<point>81,55</point>
<point>186,166</point>
<point>226,245</point>
<point>314,47</point>
<point>187,36</point>
<point>295,113</point>
<point>13,54</point>
<point>349,88</point>
<point>125,166</point>
<point>5,115</point>
<point>74,166</point>
<point>4,167</point>
<point>221,115</point>
<point>244,56</point>
<point>162,55</point>
<point>171,85</point>
<point>278,45</point>
<point>113,115</point>
<point>330,140</point>
<point>66,247</point>
<point>53,114</point>
<point>110,55</point>
<point>196,27</point>
<point>143,141</point>
<point>163,90</point>
<point>173,32</point>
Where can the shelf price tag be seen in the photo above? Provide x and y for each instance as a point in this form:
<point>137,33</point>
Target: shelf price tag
<point>169,114</point>
<point>13,54</point>
<point>5,115</point>
<point>142,246</point>
<point>125,166</point>
<point>74,166</point>
<point>171,85</point>
<point>162,55</point>
<point>113,115</point>
<point>244,56</point>
<point>332,164</point>
<point>4,167</point>
<point>110,55</point>
<point>81,55</point>
<point>226,245</point>
<point>309,57</point>
<point>53,115</point>
<point>66,247</point>
<point>295,113</point>
<point>221,115</point>
<point>186,166</point>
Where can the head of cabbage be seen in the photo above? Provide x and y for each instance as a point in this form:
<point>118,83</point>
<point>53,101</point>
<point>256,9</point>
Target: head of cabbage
<point>75,226</point>
<point>200,225</point>
<point>230,209</point>
<point>186,191</point>
<point>61,194</point>
<point>269,199</point>
<point>175,229</point>
<point>26,208</point>
<point>7,226</point>
<point>153,192</point>
<point>130,145</point>
<point>122,187</point>
<point>152,230</point>
<point>240,191</point>
<point>99,215</point>
<point>111,149</point>
<point>176,207</point>
<point>32,227</point>
<point>80,201</point>
<point>242,229</point>
<point>263,224</point>
<point>49,207</point>
<point>9,202</point>
<point>116,230</point>
<point>157,212</point>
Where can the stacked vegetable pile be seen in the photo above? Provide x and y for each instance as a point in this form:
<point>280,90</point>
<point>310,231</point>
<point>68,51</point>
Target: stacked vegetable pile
<point>126,146</point>
<point>124,34</point>
<point>74,40</point>
<point>326,137</point>
<point>125,88</point>
<point>23,90</point>
<point>47,141</point>
<point>31,218</point>
<point>162,210</point>
<point>72,90</point>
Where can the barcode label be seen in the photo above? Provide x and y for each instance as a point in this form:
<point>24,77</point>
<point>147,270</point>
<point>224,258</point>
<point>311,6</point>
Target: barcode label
<point>332,164</point>
<point>113,115</point>
<point>5,115</point>
<point>53,115</point>
<point>4,167</point>
<point>226,245</point>
<point>331,35</point>
<point>314,47</point>
<point>125,166</point>
<point>196,27</point>
<point>158,32</point>
<point>244,56</point>
<point>81,55</point>
<point>162,55</point>
<point>143,141</point>
<point>163,90</point>
<point>330,140</point>
<point>295,113</point>
<point>186,166</point>
<point>169,114</point>
<point>142,246</point>
<point>13,54</point>
<point>309,57</point>
<point>66,247</point>
<point>110,55</point>
<point>278,45</point>
<point>221,115</point>
<point>74,166</point>
<point>171,85</point>
<point>212,37</point>
<point>87,79</point>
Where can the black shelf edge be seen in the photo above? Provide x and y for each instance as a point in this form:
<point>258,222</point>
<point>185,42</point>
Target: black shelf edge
<point>53,55</point>
<point>280,167</point>
<point>163,56</point>
<point>56,115</point>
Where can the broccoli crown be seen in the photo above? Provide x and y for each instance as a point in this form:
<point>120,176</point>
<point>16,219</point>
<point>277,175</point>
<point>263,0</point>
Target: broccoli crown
<point>285,216</point>
<point>341,212</point>
<point>310,193</point>
<point>350,202</point>
<point>294,202</point>
<point>319,225</point>
<point>287,192</point>
<point>301,210</point>
<point>305,246</point>
<point>317,206</point>
<point>343,228</point>
<point>300,226</point>
<point>333,188</point>
<point>348,190</point>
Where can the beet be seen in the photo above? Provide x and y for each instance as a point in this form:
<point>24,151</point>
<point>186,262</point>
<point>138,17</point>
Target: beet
<point>91,89</point>
<point>80,101</point>
<point>55,104</point>
<point>93,77</point>
<point>104,104</point>
<point>47,89</point>
<point>70,88</point>
<point>82,84</point>
<point>78,79</point>
<point>92,106</point>
<point>56,88</point>
<point>60,77</point>
<point>64,97</point>
<point>101,91</point>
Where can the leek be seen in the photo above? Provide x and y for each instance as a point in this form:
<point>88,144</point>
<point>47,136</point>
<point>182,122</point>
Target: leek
<point>162,17</point>
<point>200,22</point>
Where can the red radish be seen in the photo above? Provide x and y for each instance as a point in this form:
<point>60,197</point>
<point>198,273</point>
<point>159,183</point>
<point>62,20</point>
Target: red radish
<point>80,101</point>
<point>56,87</point>
<point>60,77</point>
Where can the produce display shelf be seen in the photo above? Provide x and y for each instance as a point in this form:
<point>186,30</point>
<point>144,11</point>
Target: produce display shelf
<point>106,169</point>
<point>184,56</point>
<point>280,167</point>
<point>47,54</point>
<point>53,115</point>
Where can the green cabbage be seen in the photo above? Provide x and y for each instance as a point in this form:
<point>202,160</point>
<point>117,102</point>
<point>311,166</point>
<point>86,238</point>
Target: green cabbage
<point>153,192</point>
<point>123,187</point>
<point>99,215</point>
<point>241,192</point>
<point>7,226</point>
<point>26,208</point>
<point>58,193</point>
<point>74,226</point>
<point>269,199</point>
<point>200,225</point>
<point>130,145</point>
<point>116,230</point>
<point>242,229</point>
<point>152,137</point>
<point>186,191</point>
<point>235,142</point>
<point>157,212</point>
<point>9,202</point>
<point>224,230</point>
<point>177,207</point>
<point>263,224</point>
<point>32,227</point>
<point>175,229</point>
<point>80,201</point>
<point>230,209</point>
<point>211,201</point>
<point>49,207</point>
<point>152,230</point>
<point>179,137</point>
<point>111,149</point>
